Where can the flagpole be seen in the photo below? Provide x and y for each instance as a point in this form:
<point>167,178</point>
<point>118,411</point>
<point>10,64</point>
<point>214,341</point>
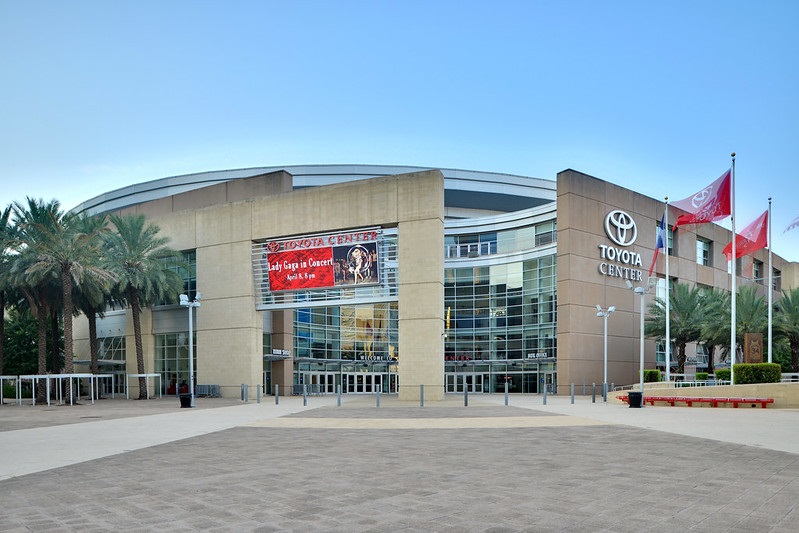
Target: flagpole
<point>733,295</point>
<point>770,282</point>
<point>668,299</point>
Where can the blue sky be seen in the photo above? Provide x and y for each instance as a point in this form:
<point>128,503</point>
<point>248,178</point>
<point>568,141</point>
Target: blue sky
<point>654,96</point>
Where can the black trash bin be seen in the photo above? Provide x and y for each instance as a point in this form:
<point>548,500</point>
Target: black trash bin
<point>635,399</point>
<point>185,400</point>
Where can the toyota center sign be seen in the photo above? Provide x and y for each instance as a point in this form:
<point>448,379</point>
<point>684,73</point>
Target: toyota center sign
<point>617,260</point>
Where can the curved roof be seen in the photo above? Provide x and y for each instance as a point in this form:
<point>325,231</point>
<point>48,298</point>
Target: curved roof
<point>462,188</point>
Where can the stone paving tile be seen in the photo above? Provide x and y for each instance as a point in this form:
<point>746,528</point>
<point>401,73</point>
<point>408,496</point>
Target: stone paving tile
<point>597,478</point>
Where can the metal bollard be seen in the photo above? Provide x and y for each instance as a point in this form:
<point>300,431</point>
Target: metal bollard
<point>545,393</point>
<point>421,395</point>
<point>377,398</point>
<point>583,389</point>
<point>593,394</point>
<point>506,393</point>
<point>304,394</point>
<point>572,387</point>
<point>465,395</point>
<point>258,393</point>
<point>247,392</point>
<point>605,392</point>
<point>277,394</point>
<point>242,392</point>
<point>338,401</point>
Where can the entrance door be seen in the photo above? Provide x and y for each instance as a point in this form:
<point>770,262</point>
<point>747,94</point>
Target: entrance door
<point>363,382</point>
<point>457,382</point>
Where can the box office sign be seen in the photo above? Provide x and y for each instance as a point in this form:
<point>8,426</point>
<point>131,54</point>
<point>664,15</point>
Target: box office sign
<point>316,262</point>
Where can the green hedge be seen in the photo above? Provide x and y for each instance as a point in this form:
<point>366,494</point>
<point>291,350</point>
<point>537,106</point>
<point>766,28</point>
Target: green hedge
<point>746,373</point>
<point>722,374</point>
<point>701,376</point>
<point>651,376</point>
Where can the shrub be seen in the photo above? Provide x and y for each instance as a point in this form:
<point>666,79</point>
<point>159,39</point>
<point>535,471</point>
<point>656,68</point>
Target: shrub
<point>9,390</point>
<point>651,376</point>
<point>757,373</point>
<point>722,374</point>
<point>701,376</point>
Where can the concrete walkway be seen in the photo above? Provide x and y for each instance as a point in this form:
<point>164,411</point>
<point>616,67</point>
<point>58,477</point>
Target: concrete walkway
<point>227,466</point>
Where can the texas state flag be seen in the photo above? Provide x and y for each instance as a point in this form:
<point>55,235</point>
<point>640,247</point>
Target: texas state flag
<point>660,242</point>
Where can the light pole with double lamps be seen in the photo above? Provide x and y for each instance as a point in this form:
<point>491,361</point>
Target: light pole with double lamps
<point>185,302</point>
<point>605,314</point>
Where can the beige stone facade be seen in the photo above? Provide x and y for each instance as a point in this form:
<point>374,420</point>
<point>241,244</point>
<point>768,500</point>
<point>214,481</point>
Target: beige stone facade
<point>583,280</point>
<point>220,223</point>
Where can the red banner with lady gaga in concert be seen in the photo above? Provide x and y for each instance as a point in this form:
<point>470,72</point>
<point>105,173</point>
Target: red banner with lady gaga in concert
<point>319,262</point>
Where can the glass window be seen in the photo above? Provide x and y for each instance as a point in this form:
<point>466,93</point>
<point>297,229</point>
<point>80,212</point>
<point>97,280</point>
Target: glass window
<point>776,282</point>
<point>703,251</point>
<point>758,272</point>
<point>670,239</point>
<point>172,357</point>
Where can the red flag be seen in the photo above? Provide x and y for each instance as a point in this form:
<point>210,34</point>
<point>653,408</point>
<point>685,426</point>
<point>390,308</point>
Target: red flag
<point>710,204</point>
<point>752,238</point>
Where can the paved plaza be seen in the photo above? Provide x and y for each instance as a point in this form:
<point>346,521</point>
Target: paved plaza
<point>127,465</point>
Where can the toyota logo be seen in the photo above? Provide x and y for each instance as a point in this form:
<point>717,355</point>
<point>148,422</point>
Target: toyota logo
<point>272,246</point>
<point>621,228</point>
<point>701,197</point>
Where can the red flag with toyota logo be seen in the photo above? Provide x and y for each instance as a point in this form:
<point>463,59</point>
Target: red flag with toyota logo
<point>708,205</point>
<point>751,239</point>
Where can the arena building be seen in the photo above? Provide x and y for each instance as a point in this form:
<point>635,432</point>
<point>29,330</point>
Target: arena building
<point>387,278</point>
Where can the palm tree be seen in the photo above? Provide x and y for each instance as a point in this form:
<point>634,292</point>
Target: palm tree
<point>6,243</point>
<point>68,246</point>
<point>39,291</point>
<point>92,294</point>
<point>686,315</point>
<point>787,323</point>
<point>138,257</point>
<point>712,332</point>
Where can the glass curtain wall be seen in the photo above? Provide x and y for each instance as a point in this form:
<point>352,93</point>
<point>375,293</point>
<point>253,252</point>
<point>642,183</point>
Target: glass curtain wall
<point>501,321</point>
<point>172,360</point>
<point>356,347</point>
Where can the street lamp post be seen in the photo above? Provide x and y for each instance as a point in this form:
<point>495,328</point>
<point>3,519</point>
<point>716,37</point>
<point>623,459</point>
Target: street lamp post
<point>185,302</point>
<point>640,291</point>
<point>605,314</point>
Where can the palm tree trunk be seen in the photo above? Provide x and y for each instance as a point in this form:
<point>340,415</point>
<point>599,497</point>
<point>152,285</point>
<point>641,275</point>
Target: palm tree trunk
<point>711,360</point>
<point>2,329</point>
<point>94,345</point>
<point>136,309</point>
<point>66,289</point>
<point>41,341</point>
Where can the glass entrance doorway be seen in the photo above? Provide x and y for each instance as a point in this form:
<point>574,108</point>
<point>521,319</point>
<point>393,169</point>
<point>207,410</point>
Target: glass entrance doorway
<point>458,382</point>
<point>363,382</point>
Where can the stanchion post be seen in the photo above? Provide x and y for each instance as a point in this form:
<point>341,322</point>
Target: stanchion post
<point>593,393</point>
<point>277,394</point>
<point>377,398</point>
<point>338,400</point>
<point>605,392</point>
<point>572,387</point>
<point>304,394</point>
<point>258,393</point>
<point>421,395</point>
<point>242,392</point>
<point>465,395</point>
<point>545,393</point>
<point>506,392</point>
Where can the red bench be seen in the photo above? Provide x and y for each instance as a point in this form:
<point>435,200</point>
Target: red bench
<point>714,402</point>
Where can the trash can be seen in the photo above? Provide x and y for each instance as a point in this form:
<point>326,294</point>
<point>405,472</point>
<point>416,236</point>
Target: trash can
<point>635,399</point>
<point>185,400</point>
